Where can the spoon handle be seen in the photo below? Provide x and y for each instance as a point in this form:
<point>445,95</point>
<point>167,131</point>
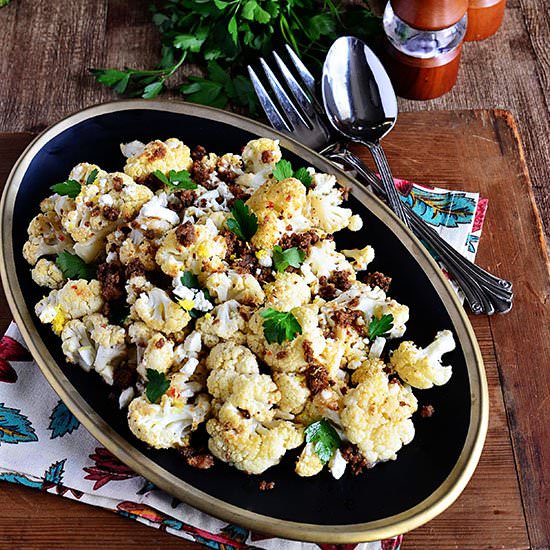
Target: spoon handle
<point>390,190</point>
<point>484,292</point>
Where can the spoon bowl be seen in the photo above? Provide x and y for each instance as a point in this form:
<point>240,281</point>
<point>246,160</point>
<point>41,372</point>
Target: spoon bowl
<point>358,94</point>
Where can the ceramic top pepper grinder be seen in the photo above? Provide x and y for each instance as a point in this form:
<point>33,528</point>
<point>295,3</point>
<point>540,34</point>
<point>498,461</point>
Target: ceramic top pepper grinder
<point>424,43</point>
<point>484,18</point>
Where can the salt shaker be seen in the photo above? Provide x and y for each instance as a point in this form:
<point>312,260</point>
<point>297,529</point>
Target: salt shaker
<point>484,18</point>
<point>424,44</point>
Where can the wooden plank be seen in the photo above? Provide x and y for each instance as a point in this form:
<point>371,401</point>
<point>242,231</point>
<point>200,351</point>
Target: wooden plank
<point>482,151</point>
<point>489,512</point>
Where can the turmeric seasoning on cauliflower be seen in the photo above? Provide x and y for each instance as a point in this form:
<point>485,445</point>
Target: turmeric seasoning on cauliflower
<point>224,312</point>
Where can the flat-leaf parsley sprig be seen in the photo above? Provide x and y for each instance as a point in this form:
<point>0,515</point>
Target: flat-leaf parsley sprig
<point>74,267</point>
<point>244,222</point>
<point>280,326</point>
<point>176,180</point>
<point>325,439</point>
<point>291,257</point>
<point>224,36</point>
<point>283,170</point>
<point>157,385</point>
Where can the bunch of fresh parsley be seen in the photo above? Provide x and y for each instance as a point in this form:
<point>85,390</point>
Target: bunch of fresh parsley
<point>223,36</point>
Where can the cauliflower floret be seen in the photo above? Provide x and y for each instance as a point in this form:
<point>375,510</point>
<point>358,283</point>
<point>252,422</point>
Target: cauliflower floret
<point>201,254</point>
<point>135,286</point>
<point>294,391</point>
<point>323,259</point>
<point>400,314</point>
<point>243,288</point>
<point>308,464</point>
<point>155,308</point>
<point>94,344</point>
<point>83,170</point>
<point>362,257</point>
<point>287,291</point>
<point>423,368</point>
<point>46,237</point>
<point>232,356</point>
<point>247,444</point>
<point>324,205</point>
<point>74,300</point>
<point>158,355</point>
<point>376,417</point>
<point>171,154</point>
<point>46,273</point>
<point>169,423</point>
<point>260,157</point>
<point>99,208</point>
<point>253,393</point>
<point>280,207</point>
<point>290,355</point>
<point>224,322</point>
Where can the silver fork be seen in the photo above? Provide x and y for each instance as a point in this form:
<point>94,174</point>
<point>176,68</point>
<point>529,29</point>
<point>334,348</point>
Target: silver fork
<point>305,121</point>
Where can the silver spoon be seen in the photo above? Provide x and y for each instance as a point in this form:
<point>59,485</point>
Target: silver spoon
<point>361,104</point>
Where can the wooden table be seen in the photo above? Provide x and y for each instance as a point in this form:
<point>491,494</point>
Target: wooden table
<point>47,46</point>
<point>506,503</point>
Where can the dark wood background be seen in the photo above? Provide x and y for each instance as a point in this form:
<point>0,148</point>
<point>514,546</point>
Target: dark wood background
<point>47,46</point>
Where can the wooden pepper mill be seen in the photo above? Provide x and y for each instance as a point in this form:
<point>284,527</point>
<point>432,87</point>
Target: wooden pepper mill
<point>424,44</point>
<point>484,18</point>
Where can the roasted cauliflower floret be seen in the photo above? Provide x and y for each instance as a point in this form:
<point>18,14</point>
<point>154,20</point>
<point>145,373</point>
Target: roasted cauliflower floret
<point>93,343</point>
<point>158,355</point>
<point>224,322</point>
<point>259,157</point>
<point>308,463</point>
<point>289,356</point>
<point>376,417</point>
<point>362,257</point>
<point>46,273</point>
<point>155,308</point>
<point>99,208</point>
<point>197,248</point>
<point>423,368</point>
<point>294,391</point>
<point>46,237</point>
<point>167,155</point>
<point>280,207</point>
<point>74,300</point>
<point>169,423</point>
<point>247,444</point>
<point>243,288</point>
<point>323,259</point>
<point>288,291</point>
<point>324,200</point>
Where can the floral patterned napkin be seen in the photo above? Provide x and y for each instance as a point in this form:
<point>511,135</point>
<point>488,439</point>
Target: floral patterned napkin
<point>42,445</point>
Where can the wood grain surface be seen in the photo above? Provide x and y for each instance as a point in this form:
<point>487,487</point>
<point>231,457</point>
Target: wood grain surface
<point>506,503</point>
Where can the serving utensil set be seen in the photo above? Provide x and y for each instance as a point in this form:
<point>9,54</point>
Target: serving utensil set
<point>359,105</point>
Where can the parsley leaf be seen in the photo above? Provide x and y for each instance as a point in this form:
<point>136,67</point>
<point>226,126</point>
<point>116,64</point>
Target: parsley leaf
<point>304,176</point>
<point>157,384</point>
<point>283,169</point>
<point>244,222</point>
<point>280,326</point>
<point>380,327</point>
<point>70,188</point>
<point>325,439</point>
<point>176,180</point>
<point>74,267</point>
<point>92,176</point>
<point>190,280</point>
<point>290,257</point>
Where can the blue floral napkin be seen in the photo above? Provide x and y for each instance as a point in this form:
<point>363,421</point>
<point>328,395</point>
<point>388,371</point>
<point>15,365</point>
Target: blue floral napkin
<point>42,445</point>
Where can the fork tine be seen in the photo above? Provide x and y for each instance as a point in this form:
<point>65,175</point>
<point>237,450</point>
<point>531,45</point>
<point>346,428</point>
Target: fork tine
<point>295,117</point>
<point>273,115</point>
<point>305,75</point>
<point>301,97</point>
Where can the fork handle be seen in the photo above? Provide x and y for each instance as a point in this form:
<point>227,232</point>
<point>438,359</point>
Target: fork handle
<point>390,191</point>
<point>484,292</point>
